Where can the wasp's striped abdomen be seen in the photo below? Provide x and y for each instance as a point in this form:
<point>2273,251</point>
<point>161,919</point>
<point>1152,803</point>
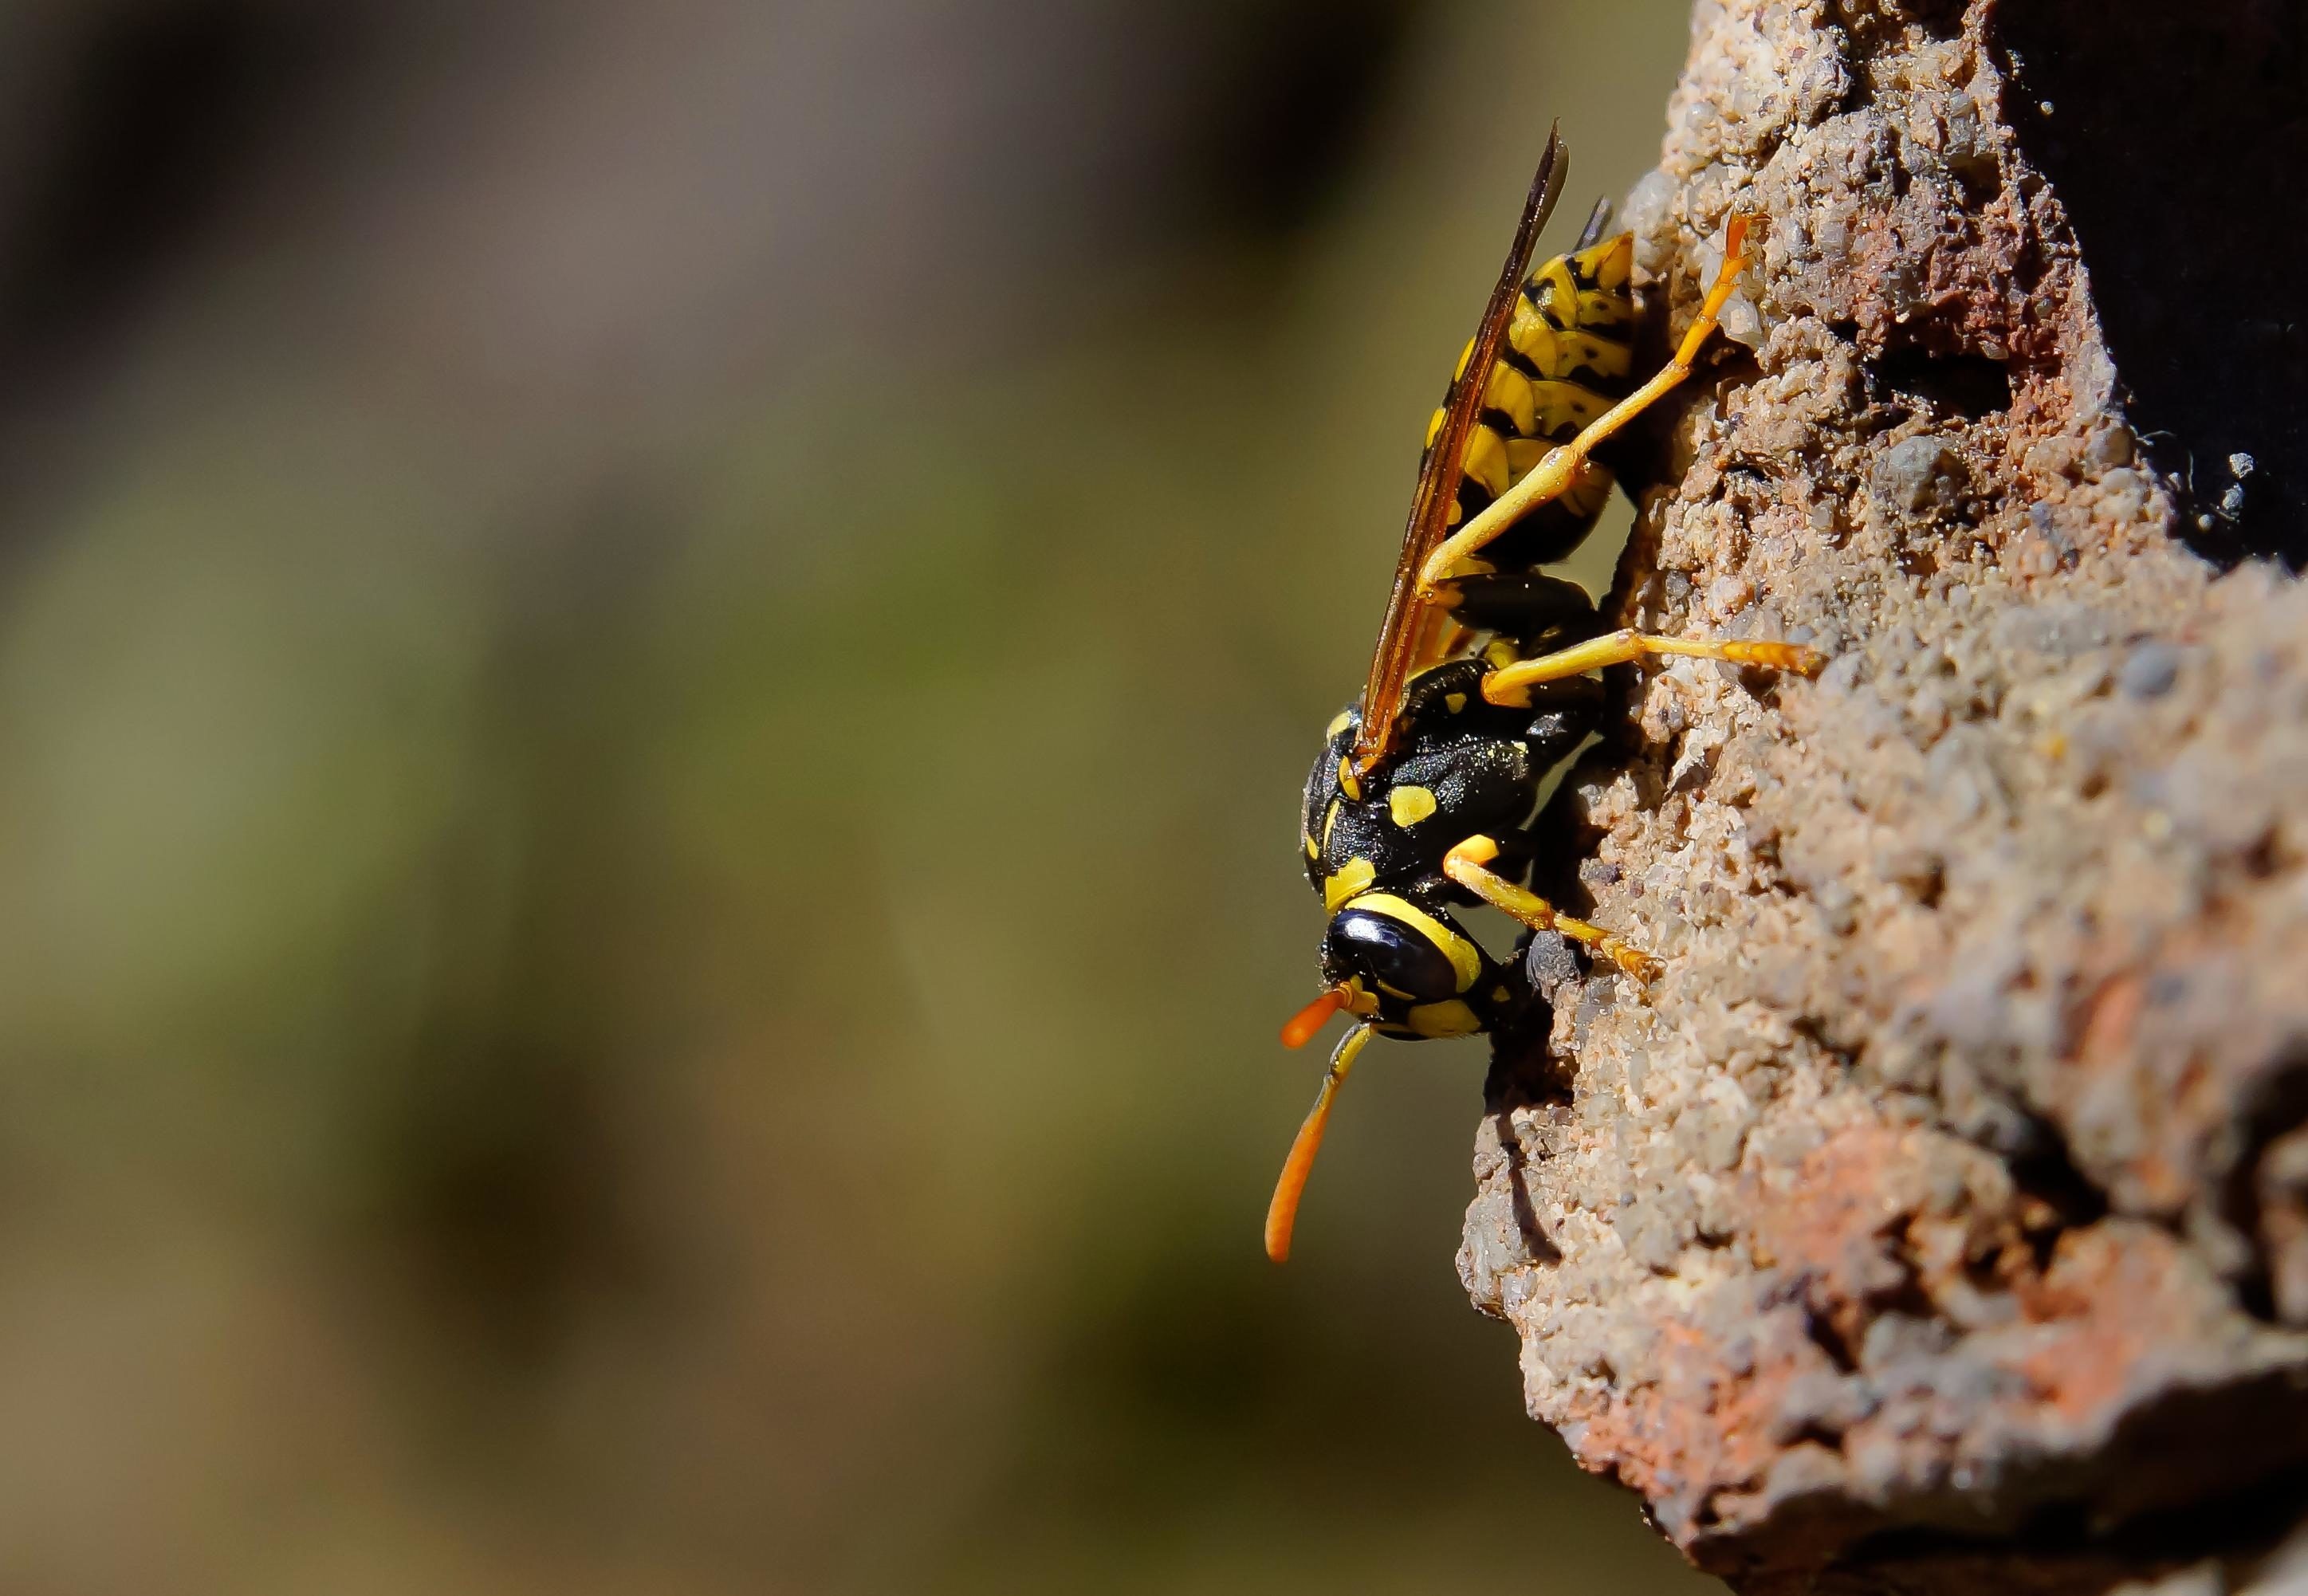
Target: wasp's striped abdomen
<point>1567,357</point>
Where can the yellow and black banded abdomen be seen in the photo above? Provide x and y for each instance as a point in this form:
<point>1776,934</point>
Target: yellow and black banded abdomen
<point>1568,356</point>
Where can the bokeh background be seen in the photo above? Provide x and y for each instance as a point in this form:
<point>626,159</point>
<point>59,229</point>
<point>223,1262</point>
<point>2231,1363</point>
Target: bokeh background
<point>654,662</point>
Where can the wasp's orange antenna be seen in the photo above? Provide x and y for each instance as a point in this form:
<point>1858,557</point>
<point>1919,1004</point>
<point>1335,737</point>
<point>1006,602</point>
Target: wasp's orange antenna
<point>1282,1214</point>
<point>1300,1028</point>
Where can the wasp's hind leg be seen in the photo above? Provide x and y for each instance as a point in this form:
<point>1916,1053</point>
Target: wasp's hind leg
<point>1564,466</point>
<point>1468,864</point>
<point>1511,684</point>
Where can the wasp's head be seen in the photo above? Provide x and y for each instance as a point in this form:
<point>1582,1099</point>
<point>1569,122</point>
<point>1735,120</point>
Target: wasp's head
<point>1404,965</point>
<point>1409,967</point>
<point>1401,968</point>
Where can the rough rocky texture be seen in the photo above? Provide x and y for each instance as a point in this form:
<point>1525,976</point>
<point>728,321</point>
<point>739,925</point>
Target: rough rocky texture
<point>1939,1221</point>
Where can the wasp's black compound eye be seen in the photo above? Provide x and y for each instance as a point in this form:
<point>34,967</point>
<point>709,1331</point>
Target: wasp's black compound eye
<point>1412,956</point>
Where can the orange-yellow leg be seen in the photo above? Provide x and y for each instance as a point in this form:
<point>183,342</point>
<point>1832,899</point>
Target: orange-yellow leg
<point>1511,685</point>
<point>1468,865</point>
<point>1282,1212</point>
<point>1561,468</point>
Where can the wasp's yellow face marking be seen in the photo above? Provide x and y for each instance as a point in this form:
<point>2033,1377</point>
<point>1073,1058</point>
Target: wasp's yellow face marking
<point>1450,1017</point>
<point>1350,878</point>
<point>1465,959</point>
<point>1348,782</point>
<point>1409,804</point>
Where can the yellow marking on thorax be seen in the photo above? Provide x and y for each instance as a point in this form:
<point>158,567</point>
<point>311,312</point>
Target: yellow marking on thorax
<point>1464,956</point>
<point>1348,879</point>
<point>1409,804</point>
<point>1348,782</point>
<point>1338,723</point>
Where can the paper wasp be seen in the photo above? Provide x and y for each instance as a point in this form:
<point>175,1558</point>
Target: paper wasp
<point>1423,796</point>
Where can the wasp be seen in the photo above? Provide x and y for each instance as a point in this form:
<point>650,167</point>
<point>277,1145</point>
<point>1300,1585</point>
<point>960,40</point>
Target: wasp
<point>1424,796</point>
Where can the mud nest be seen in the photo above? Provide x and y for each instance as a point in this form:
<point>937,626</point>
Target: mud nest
<point>1939,1220</point>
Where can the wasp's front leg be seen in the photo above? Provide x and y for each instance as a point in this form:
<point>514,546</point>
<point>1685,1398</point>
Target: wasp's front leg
<point>1468,865</point>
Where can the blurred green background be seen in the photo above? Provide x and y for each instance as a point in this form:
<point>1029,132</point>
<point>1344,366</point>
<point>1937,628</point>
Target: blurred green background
<point>655,664</point>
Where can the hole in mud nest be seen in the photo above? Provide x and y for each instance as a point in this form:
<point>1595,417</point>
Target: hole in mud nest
<point>2264,857</point>
<point>1967,385</point>
<point>2059,1196</point>
<point>2211,343</point>
<point>2276,1107</point>
<point>1828,1337</point>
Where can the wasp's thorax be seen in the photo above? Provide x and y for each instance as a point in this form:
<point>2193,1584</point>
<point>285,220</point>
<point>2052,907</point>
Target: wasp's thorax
<point>1374,847</point>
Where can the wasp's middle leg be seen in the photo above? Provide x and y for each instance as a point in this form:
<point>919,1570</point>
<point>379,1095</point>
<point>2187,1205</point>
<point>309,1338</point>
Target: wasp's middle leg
<point>1510,683</point>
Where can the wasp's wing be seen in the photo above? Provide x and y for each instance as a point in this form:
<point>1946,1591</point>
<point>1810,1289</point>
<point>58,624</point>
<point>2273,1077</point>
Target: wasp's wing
<point>1408,617</point>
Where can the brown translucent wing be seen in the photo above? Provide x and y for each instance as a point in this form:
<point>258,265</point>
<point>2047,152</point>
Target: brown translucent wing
<point>1408,617</point>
